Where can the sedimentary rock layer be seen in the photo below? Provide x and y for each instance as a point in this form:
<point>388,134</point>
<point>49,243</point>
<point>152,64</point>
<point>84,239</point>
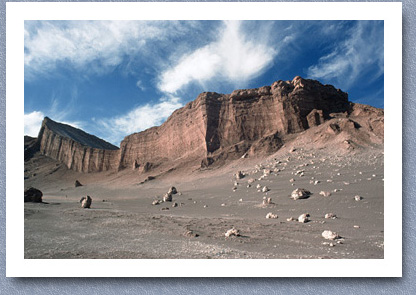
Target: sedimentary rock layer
<point>214,127</point>
<point>78,150</point>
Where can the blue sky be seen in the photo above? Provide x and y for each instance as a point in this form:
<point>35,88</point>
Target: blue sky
<point>114,78</point>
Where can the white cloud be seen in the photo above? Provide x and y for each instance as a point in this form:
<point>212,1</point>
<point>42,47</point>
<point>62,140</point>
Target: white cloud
<point>33,122</point>
<point>88,45</point>
<point>138,119</point>
<point>361,53</point>
<point>232,58</point>
<point>140,85</point>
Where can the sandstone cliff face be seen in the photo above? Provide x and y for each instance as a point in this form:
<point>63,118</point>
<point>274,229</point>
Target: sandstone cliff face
<point>215,127</point>
<point>76,149</point>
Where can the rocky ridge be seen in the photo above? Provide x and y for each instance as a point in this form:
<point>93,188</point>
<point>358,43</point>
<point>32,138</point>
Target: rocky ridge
<point>215,128</point>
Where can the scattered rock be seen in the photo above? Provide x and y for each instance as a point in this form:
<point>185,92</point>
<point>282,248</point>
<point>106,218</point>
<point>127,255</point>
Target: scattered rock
<point>267,201</point>
<point>149,178</point>
<point>330,216</point>
<point>266,172</point>
<point>167,197</point>
<point>33,195</point>
<point>292,180</point>
<point>330,235</point>
<point>265,189</point>
<point>291,219</point>
<point>164,209</point>
<point>239,175</point>
<point>304,218</point>
<point>155,202</point>
<point>325,194</point>
<point>258,185</point>
<point>251,180</point>
<point>300,193</point>
<point>356,226</point>
<point>172,191</point>
<point>358,198</point>
<point>232,232</point>
<point>190,234</point>
<point>271,215</point>
<point>77,183</point>
<point>86,202</point>
<point>175,205</point>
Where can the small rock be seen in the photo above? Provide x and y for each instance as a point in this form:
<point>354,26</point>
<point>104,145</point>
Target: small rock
<point>304,218</point>
<point>86,202</point>
<point>329,235</point>
<point>232,232</point>
<point>156,202</point>
<point>356,226</point>
<point>172,191</point>
<point>190,234</point>
<point>330,216</point>
<point>164,209</point>
<point>175,205</point>
<point>358,198</point>
<point>271,215</point>
<point>300,193</point>
<point>251,180</point>
<point>239,175</point>
<point>167,197</point>
<point>290,219</point>
<point>265,189</point>
<point>240,200</point>
<point>325,194</point>
<point>267,201</point>
<point>258,185</point>
<point>292,180</point>
<point>77,183</point>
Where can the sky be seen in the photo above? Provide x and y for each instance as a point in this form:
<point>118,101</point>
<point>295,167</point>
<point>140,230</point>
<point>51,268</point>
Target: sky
<point>115,78</point>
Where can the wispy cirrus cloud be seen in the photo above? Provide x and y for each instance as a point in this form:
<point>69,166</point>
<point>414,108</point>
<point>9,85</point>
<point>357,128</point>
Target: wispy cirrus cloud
<point>231,58</point>
<point>360,55</point>
<point>92,46</point>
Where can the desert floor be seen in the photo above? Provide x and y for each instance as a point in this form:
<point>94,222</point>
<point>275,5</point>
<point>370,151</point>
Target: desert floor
<point>123,223</point>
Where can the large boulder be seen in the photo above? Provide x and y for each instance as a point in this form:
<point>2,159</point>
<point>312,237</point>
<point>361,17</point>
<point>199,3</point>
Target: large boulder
<point>33,195</point>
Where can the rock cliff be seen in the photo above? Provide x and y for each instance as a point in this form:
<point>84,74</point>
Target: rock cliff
<point>75,148</point>
<point>215,127</point>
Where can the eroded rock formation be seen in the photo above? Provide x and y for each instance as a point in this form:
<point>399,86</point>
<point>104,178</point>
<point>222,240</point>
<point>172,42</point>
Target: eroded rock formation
<point>75,148</point>
<point>217,127</point>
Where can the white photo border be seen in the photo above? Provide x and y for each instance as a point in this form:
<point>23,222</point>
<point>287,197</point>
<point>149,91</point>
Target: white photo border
<point>390,13</point>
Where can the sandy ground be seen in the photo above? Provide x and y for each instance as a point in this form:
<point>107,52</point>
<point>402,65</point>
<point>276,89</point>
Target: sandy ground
<point>123,223</point>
